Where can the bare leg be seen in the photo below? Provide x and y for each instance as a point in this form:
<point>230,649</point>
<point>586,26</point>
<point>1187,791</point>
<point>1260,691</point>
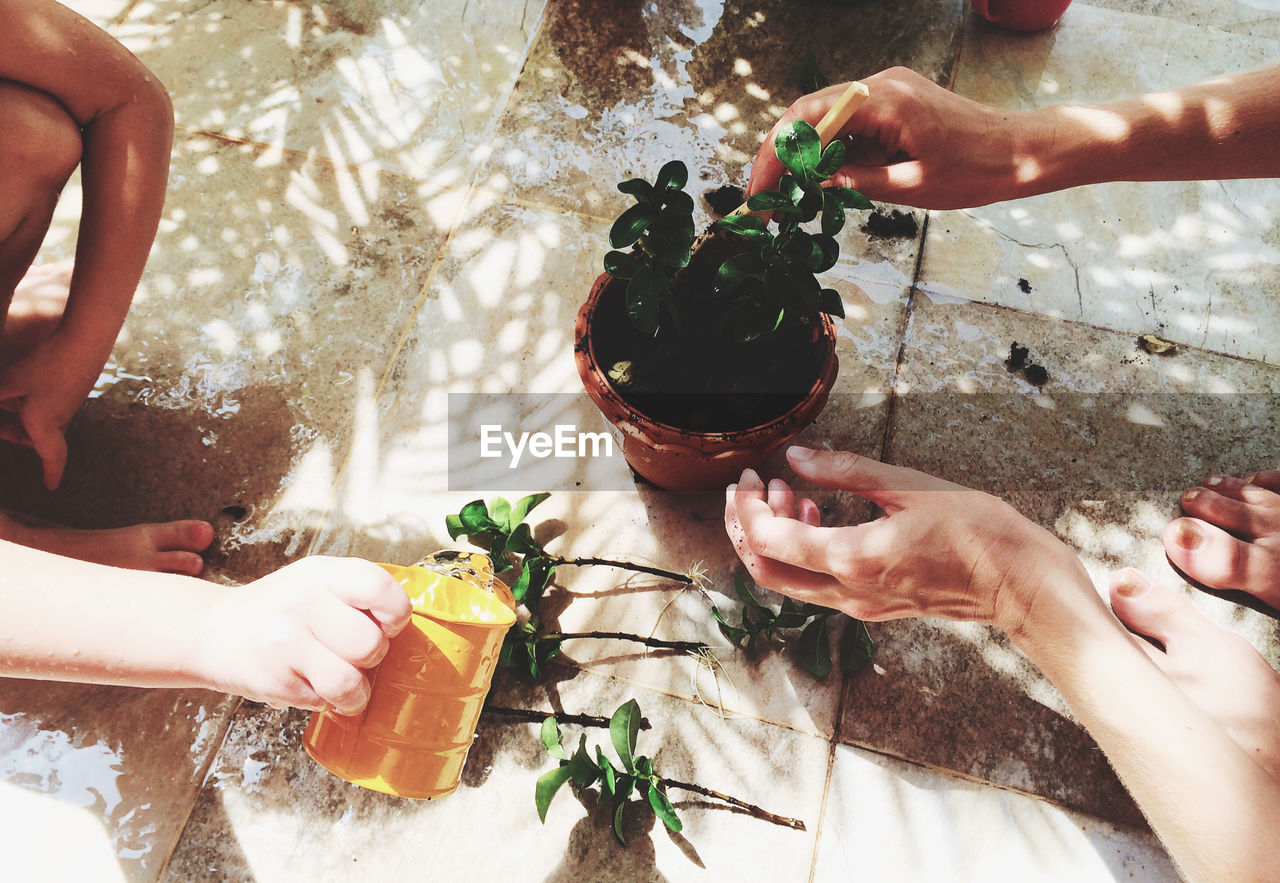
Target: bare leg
<point>39,149</point>
<point>1231,539</point>
<point>1220,671</point>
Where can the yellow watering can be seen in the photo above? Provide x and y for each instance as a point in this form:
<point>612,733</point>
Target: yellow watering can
<point>412,738</point>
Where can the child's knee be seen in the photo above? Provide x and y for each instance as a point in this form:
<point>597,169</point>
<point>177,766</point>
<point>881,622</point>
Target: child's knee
<point>40,143</point>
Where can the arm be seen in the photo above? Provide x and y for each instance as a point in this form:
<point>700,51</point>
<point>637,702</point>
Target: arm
<point>915,143</point>
<point>944,550</point>
<point>298,636</point>
<point>126,121</point>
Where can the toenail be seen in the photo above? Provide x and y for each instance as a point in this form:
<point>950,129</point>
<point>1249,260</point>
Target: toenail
<point>1213,480</point>
<point>1131,585</point>
<point>1188,536</point>
<point>1248,479</point>
<point>1191,494</point>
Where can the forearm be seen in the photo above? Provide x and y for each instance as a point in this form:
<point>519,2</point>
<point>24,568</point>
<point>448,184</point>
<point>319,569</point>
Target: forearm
<point>124,174</point>
<point>69,620</point>
<point>1215,810</point>
<point>1223,128</point>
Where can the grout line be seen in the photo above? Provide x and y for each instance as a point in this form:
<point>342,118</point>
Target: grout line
<point>425,291</point>
<point>891,410</point>
<point>202,775</point>
<point>826,785</point>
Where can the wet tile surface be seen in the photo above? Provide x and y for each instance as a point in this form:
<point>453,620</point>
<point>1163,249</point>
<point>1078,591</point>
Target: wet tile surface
<point>891,821</point>
<point>1073,455</point>
<point>1193,262</point>
<point>372,209</point>
<point>270,811</point>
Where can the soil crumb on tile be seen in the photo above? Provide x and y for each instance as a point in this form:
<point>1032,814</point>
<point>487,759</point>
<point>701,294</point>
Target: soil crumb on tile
<point>1017,357</point>
<point>1034,374</point>
<point>891,224</point>
<point>1024,286</point>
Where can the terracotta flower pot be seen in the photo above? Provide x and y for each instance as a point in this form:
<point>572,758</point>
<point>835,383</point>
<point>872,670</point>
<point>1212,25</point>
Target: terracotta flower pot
<point>680,459</point>
<point>1027,16</point>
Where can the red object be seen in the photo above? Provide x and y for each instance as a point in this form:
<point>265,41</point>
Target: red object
<point>678,459</point>
<point>1027,16</point>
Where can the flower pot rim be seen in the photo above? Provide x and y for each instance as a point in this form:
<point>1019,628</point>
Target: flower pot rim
<point>585,355</point>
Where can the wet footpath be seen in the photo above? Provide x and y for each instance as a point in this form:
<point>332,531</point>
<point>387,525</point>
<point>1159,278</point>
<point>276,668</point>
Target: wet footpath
<point>379,207</point>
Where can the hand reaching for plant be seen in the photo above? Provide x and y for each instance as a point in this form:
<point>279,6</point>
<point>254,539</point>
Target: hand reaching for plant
<point>939,550</point>
<point>912,143</point>
<point>302,635</point>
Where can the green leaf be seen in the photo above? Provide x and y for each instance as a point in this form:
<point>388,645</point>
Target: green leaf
<point>733,633</point>
<point>679,203</point>
<point>856,647</point>
<point>534,575</point>
<point>644,297</point>
<point>829,302</point>
<point>475,519</point>
<point>815,649</point>
<point>453,524</point>
<point>812,78</point>
<point>851,198</point>
<point>520,511</point>
<point>499,509</point>
<point>672,176</point>
<point>739,267</point>
<point>663,809</point>
<point>832,215</point>
<point>631,224</point>
<point>608,780</point>
<point>637,187</point>
<point>644,766</point>
<point>751,227</point>
<point>621,264</point>
<point>521,542</point>
<point>744,593</point>
<point>623,727</point>
<point>799,149</point>
<point>582,768</point>
<point>832,158</point>
<point>770,201</point>
<point>617,821</point>
<point>671,238</point>
<point>550,735</point>
<point>823,254</point>
<point>548,784</point>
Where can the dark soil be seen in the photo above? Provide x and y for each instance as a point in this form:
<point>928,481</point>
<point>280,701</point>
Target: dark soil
<point>705,380</point>
<point>893,224</point>
<point>725,199</point>
<point>1024,286</point>
<point>1034,374</point>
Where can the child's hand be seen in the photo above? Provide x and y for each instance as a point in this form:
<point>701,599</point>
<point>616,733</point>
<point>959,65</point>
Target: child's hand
<point>39,394</point>
<point>302,635</point>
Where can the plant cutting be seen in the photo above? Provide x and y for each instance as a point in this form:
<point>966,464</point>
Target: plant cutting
<point>709,353</point>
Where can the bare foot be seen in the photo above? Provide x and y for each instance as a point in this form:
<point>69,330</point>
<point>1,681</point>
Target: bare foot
<point>171,546</point>
<point>1232,539</point>
<point>1220,671</point>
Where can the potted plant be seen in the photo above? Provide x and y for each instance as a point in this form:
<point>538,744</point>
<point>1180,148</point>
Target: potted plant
<point>708,356</point>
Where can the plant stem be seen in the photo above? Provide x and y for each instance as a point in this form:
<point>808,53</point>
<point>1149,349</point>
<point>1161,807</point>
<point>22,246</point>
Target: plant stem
<point>656,643</point>
<point>529,715</point>
<point>756,811</point>
<point>624,565</point>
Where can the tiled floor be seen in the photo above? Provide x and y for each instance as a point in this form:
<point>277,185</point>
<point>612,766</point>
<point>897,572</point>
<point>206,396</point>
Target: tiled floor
<point>376,203</point>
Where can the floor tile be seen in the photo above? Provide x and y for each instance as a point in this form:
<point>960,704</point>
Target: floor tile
<point>886,820</point>
<point>386,84</point>
<point>1193,262</point>
<point>100,779</point>
<point>1075,455</point>
<point>603,98</point>
<point>249,364</point>
<point>270,812</point>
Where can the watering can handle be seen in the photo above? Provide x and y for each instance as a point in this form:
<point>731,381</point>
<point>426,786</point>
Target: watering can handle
<point>829,126</point>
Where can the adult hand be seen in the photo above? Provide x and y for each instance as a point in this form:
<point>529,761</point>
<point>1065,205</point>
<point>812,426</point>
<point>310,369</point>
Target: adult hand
<point>911,143</point>
<point>940,549</point>
<point>302,635</point>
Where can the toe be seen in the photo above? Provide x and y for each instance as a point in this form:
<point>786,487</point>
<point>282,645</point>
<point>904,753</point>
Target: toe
<point>1216,559</point>
<point>183,536</point>
<point>1266,478</point>
<point>1152,609</point>
<point>188,563</point>
<point>1242,509</point>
